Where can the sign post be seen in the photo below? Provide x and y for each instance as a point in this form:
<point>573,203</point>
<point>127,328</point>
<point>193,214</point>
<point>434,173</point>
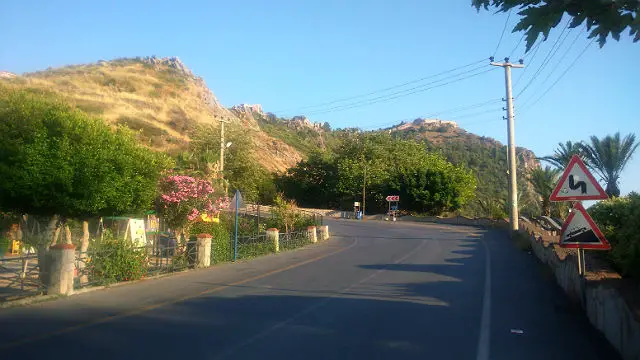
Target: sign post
<point>393,201</point>
<point>579,231</point>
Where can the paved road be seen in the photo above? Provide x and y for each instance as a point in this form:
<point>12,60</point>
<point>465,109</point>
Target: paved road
<point>378,291</point>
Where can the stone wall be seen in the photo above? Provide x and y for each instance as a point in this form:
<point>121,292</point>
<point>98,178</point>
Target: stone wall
<point>607,310</point>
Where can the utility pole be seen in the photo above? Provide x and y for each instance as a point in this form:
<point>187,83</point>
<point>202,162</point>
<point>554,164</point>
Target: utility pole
<point>513,183</point>
<point>222,147</point>
<point>364,188</point>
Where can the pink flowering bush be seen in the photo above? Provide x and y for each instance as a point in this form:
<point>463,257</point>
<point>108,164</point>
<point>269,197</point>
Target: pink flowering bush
<point>183,199</point>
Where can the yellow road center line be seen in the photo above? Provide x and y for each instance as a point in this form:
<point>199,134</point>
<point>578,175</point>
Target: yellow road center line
<point>168,302</point>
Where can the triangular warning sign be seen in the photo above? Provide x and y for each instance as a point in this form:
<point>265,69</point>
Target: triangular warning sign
<point>579,231</point>
<point>577,183</point>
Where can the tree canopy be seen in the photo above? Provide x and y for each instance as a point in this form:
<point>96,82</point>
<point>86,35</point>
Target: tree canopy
<point>426,182</point>
<point>57,160</point>
<point>603,18</point>
<point>608,157</point>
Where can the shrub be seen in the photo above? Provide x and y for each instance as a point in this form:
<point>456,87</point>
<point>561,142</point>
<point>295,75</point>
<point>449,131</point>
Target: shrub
<point>4,245</point>
<point>221,247</point>
<point>113,260</point>
<point>618,218</point>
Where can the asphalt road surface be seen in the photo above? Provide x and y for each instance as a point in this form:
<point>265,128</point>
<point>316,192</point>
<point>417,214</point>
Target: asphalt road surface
<point>376,290</point>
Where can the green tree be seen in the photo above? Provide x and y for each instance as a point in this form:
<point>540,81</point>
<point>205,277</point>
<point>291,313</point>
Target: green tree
<point>434,186</point>
<point>379,164</point>
<point>311,182</point>
<point>563,154</point>
<point>608,157</point>
<point>618,218</point>
<point>603,18</point>
<point>543,181</point>
<point>241,170</point>
<point>60,163</point>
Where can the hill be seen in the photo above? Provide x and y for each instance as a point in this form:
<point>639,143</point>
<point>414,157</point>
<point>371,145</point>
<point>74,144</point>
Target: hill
<point>165,102</point>
<point>161,98</point>
<point>485,155</point>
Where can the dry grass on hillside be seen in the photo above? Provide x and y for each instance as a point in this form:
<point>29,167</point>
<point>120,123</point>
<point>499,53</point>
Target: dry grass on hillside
<point>164,105</point>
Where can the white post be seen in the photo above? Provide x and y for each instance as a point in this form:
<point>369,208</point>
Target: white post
<point>324,232</point>
<point>311,233</point>
<point>61,269</point>
<point>203,251</point>
<point>274,236</point>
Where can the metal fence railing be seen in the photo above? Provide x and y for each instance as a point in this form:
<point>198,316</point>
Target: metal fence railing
<point>106,266</point>
<point>19,277</point>
<point>99,265</point>
<point>253,246</point>
<point>290,241</point>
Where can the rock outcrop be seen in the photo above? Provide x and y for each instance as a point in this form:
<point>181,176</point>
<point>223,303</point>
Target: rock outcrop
<point>7,75</point>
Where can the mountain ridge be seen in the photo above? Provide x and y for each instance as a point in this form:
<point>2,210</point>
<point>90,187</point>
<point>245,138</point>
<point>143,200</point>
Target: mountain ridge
<point>165,102</point>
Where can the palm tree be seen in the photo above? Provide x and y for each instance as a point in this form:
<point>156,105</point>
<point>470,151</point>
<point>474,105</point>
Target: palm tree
<point>608,157</point>
<point>563,154</point>
<point>543,182</point>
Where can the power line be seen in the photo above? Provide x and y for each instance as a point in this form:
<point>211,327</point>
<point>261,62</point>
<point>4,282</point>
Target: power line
<point>534,51</point>
<point>384,89</point>
<point>466,107</point>
<point>502,34</point>
<point>451,110</point>
<point>517,45</point>
<point>552,52</point>
<point>477,114</point>
<point>564,55</point>
<point>530,105</point>
<point>392,96</point>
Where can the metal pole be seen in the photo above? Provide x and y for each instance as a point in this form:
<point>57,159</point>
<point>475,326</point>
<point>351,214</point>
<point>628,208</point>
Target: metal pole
<point>513,183</point>
<point>580,262</point>
<point>235,241</point>
<point>221,148</point>
<point>364,188</point>
<point>258,211</point>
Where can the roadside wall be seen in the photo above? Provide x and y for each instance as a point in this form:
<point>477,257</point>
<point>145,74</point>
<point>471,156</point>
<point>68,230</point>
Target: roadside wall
<point>605,307</point>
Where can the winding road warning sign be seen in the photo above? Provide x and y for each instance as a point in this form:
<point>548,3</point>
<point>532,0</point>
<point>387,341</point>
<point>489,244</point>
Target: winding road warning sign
<point>579,231</point>
<point>577,183</point>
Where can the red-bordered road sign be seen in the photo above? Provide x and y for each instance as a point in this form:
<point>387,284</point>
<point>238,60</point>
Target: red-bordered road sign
<point>577,183</point>
<point>393,198</point>
<point>579,231</point>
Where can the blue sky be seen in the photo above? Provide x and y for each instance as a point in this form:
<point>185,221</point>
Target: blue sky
<point>290,54</point>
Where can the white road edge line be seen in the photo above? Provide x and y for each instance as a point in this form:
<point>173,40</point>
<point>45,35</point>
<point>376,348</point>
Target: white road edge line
<point>485,320</point>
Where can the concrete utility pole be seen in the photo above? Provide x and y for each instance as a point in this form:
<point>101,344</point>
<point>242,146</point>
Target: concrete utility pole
<point>364,188</point>
<point>222,146</point>
<point>513,183</point>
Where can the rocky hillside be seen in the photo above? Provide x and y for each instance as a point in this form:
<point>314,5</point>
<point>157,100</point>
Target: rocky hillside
<point>160,97</point>
<point>163,100</point>
<point>441,133</point>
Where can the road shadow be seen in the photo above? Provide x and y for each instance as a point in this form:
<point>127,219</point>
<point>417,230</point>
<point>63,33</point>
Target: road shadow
<point>407,311</point>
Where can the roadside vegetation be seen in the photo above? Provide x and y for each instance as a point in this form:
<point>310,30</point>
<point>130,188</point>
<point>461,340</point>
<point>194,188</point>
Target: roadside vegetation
<point>618,217</point>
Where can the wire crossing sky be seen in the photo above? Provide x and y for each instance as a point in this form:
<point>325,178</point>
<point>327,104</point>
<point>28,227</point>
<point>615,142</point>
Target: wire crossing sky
<point>366,64</point>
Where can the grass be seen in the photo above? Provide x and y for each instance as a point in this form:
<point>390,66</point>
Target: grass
<point>162,102</point>
<point>137,124</point>
<point>91,106</point>
<point>300,140</point>
<point>255,249</point>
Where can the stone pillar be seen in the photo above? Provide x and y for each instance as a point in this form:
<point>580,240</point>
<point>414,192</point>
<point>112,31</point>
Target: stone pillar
<point>311,233</point>
<point>274,236</point>
<point>203,251</point>
<point>61,268</point>
<point>324,232</point>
